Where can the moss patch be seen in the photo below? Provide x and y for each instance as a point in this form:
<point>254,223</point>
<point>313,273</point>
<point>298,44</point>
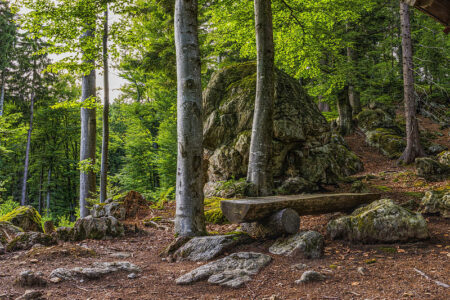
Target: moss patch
<point>25,217</point>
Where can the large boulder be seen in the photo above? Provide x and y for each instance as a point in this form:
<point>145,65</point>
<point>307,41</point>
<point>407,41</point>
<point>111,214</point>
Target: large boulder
<point>371,119</point>
<point>231,271</point>
<point>431,169</point>
<point>97,228</point>
<point>302,145</point>
<point>381,221</point>
<point>26,240</point>
<point>444,158</point>
<point>25,217</point>
<point>121,207</point>
<point>436,202</point>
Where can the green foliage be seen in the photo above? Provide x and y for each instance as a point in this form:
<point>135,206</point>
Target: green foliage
<point>8,206</point>
<point>331,115</point>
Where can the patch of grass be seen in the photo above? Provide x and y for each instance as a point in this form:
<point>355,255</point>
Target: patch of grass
<point>415,194</point>
<point>383,188</point>
<point>388,249</point>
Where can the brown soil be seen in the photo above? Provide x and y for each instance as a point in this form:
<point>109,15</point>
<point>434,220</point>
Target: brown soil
<point>391,273</point>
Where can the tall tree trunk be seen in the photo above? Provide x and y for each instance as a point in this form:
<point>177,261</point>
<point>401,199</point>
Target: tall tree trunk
<point>105,133</point>
<point>49,181</point>
<point>2,95</point>
<point>413,147</point>
<point>345,113</point>
<point>23,199</point>
<point>259,165</point>
<point>353,95</point>
<point>88,138</point>
<point>189,219</point>
<point>41,178</point>
<point>323,106</point>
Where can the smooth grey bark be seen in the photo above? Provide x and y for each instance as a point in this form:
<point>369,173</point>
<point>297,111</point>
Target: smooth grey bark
<point>105,132</point>
<point>259,165</point>
<point>23,198</point>
<point>2,95</point>
<point>189,218</point>
<point>413,147</point>
<point>345,113</point>
<point>40,190</point>
<point>88,138</point>
<point>47,200</point>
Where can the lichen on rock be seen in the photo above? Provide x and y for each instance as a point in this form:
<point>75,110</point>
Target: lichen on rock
<point>431,169</point>
<point>97,228</point>
<point>301,135</point>
<point>436,202</point>
<point>308,244</point>
<point>382,221</point>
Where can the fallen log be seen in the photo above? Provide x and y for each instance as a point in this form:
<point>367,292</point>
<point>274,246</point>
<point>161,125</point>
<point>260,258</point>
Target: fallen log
<point>254,209</point>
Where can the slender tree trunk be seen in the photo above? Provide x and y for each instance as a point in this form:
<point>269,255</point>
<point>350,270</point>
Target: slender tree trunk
<point>189,219</point>
<point>2,95</point>
<point>41,178</point>
<point>49,181</point>
<point>23,199</point>
<point>259,165</point>
<point>413,147</point>
<point>353,95</point>
<point>88,138</point>
<point>105,133</point>
<point>323,106</point>
<point>345,113</point>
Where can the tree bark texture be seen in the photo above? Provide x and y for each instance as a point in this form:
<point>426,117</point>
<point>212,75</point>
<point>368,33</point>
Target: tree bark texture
<point>88,139</point>
<point>23,198</point>
<point>189,219</point>
<point>353,95</point>
<point>47,200</point>
<point>105,132</point>
<point>345,113</point>
<point>259,166</point>
<point>413,147</point>
<point>2,95</point>
<point>41,178</point>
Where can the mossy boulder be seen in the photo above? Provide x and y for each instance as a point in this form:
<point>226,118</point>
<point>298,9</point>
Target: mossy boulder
<point>387,141</point>
<point>444,158</point>
<point>371,119</point>
<point>25,217</point>
<point>382,221</point>
<point>8,231</point>
<point>436,202</point>
<point>307,244</point>
<point>97,228</point>
<point>114,209</point>
<point>26,240</point>
<point>431,169</point>
<point>302,144</point>
<point>213,213</point>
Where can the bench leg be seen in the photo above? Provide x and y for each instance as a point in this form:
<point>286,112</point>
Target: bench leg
<point>286,221</point>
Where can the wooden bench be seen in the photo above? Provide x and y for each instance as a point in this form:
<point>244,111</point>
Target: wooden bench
<point>275,215</point>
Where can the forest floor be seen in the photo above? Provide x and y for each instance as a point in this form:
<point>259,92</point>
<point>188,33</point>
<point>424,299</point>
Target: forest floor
<point>391,274</point>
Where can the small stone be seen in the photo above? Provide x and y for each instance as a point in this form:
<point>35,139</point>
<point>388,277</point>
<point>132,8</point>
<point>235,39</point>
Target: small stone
<point>299,266</point>
<point>310,276</point>
<point>34,261</point>
<point>361,271</point>
<point>31,295</point>
<point>55,280</point>
<point>132,276</point>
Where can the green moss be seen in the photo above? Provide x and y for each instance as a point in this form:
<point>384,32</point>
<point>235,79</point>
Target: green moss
<point>215,216</point>
<point>415,194</point>
<point>334,267</point>
<point>370,261</point>
<point>156,219</point>
<point>383,188</point>
<point>25,217</point>
<point>388,249</point>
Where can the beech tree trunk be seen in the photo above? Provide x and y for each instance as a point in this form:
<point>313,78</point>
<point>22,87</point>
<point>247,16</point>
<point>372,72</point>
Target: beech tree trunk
<point>345,113</point>
<point>2,95</point>
<point>413,147</point>
<point>88,138</point>
<point>40,190</point>
<point>259,165</point>
<point>49,180</point>
<point>105,133</point>
<point>189,218</point>
<point>23,199</point>
<point>323,106</point>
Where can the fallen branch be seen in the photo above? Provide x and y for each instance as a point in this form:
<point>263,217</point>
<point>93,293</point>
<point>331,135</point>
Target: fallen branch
<point>435,281</point>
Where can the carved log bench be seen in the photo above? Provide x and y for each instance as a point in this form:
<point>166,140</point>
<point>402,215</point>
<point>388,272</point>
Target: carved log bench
<point>277,215</point>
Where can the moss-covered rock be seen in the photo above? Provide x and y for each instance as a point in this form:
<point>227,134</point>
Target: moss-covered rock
<point>444,158</point>
<point>213,213</point>
<point>371,119</point>
<point>64,234</point>
<point>308,244</point>
<point>431,169</point>
<point>8,232</point>
<point>301,135</point>
<point>436,202</point>
<point>97,228</point>
<point>381,221</point>
<point>25,217</point>
<point>26,240</point>
<point>387,141</point>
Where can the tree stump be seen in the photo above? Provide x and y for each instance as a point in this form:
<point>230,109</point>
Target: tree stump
<point>285,221</point>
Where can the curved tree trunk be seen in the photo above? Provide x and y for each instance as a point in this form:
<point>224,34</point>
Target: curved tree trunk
<point>189,218</point>
<point>105,132</point>
<point>259,165</point>
<point>413,147</point>
<point>345,113</point>
<point>88,138</point>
